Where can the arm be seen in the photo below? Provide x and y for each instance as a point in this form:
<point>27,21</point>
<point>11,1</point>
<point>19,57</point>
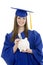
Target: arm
<point>37,52</point>
<point>7,52</point>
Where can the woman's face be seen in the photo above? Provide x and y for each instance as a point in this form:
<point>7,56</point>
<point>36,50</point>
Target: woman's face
<point>21,21</point>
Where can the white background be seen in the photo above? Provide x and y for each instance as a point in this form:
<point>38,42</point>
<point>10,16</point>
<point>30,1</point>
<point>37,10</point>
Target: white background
<point>7,17</point>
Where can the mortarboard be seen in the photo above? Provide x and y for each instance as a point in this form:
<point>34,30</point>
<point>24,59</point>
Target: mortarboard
<point>23,13</point>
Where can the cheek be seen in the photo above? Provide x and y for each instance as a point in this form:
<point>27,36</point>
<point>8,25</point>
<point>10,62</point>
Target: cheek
<point>18,20</point>
<point>24,22</point>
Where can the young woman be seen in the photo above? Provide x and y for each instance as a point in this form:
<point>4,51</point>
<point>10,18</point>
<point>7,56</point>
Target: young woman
<point>11,54</point>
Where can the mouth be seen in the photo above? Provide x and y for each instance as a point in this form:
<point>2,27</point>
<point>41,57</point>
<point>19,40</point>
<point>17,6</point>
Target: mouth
<point>21,22</point>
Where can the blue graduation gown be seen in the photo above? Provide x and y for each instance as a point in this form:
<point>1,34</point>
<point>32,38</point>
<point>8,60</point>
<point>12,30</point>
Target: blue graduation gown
<point>23,58</point>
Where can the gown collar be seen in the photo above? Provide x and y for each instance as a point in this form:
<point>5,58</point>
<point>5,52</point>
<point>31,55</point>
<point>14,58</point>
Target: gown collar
<point>22,34</point>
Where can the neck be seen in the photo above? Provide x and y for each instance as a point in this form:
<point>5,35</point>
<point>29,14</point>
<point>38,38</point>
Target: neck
<point>20,29</point>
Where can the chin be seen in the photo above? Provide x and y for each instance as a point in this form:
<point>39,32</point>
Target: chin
<point>21,25</point>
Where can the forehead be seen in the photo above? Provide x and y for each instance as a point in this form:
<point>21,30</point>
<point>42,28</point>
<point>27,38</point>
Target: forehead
<point>21,17</point>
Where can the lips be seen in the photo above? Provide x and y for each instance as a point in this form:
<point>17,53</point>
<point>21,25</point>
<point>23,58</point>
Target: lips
<point>21,22</point>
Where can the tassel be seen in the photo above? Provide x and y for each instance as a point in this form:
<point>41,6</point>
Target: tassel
<point>30,21</point>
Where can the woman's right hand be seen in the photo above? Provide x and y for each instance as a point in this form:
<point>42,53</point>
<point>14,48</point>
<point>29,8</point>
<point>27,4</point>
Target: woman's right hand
<point>16,45</point>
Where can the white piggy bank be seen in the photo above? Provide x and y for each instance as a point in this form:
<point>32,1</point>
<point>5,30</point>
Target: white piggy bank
<point>23,44</point>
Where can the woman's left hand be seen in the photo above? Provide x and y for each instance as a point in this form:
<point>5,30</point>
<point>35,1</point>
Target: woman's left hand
<point>27,50</point>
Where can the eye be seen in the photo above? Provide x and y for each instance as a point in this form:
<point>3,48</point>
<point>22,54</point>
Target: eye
<point>24,18</point>
<point>18,17</point>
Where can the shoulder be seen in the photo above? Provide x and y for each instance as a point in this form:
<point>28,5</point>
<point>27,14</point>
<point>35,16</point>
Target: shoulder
<point>34,33</point>
<point>7,40</point>
<point>8,36</point>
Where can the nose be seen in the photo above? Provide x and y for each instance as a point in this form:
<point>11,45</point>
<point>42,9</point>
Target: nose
<point>21,19</point>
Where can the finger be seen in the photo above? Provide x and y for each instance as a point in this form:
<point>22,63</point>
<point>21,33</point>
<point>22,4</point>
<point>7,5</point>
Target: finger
<point>27,49</point>
<point>16,40</point>
<point>23,50</point>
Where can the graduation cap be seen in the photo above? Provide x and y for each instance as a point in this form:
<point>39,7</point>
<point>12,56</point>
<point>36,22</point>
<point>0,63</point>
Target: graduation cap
<point>23,13</point>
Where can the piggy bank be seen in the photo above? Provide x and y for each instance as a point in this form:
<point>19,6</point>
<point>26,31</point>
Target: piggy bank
<point>23,44</point>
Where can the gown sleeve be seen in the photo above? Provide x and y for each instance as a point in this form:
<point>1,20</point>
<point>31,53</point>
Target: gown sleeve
<point>7,52</point>
<point>37,52</point>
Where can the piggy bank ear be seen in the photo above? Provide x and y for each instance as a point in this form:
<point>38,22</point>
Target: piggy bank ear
<point>20,36</point>
<point>26,38</point>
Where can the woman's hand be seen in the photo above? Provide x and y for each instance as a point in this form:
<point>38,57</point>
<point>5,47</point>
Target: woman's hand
<point>16,41</point>
<point>27,50</point>
<point>16,45</point>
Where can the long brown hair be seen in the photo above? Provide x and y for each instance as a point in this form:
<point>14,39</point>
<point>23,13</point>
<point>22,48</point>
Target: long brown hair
<point>15,29</point>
